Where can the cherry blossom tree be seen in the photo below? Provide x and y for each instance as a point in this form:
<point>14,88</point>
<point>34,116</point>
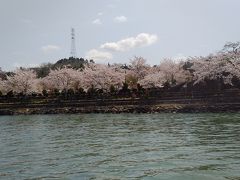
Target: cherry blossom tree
<point>94,75</point>
<point>154,80</point>
<point>223,66</point>
<point>22,81</point>
<point>173,72</point>
<point>102,77</point>
<point>63,79</point>
<point>3,86</point>
<point>232,47</point>
<point>139,67</point>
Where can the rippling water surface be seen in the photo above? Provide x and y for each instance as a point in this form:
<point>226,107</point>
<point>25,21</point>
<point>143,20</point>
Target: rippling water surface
<point>123,146</point>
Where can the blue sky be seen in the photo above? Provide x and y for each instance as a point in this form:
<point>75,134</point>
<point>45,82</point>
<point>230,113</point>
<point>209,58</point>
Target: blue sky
<point>34,32</point>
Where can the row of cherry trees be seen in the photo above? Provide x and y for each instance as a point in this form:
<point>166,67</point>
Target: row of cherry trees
<point>223,66</point>
<point>97,76</point>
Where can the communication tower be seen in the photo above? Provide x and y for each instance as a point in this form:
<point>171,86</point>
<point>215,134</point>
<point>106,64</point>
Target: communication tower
<point>73,52</point>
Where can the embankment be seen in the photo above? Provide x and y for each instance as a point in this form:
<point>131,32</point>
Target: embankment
<point>58,105</point>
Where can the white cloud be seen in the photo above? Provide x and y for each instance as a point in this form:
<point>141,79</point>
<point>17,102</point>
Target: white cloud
<point>97,22</point>
<point>50,48</point>
<point>100,14</point>
<point>120,19</point>
<point>140,40</point>
<point>98,55</point>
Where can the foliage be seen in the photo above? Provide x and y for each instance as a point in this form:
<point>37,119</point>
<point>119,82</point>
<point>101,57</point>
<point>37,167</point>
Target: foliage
<point>75,63</point>
<point>112,90</point>
<point>45,93</point>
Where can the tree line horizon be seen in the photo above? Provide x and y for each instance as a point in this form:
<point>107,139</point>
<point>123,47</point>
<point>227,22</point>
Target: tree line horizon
<point>79,76</point>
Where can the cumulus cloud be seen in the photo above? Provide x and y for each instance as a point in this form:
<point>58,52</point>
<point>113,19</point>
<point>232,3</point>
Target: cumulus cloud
<point>140,40</point>
<point>98,55</point>
<point>97,22</point>
<point>120,19</point>
<point>50,48</point>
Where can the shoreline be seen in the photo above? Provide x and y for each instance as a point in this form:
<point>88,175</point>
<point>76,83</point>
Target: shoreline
<point>116,109</point>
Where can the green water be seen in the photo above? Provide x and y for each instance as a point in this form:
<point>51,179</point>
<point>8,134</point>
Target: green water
<point>124,146</point>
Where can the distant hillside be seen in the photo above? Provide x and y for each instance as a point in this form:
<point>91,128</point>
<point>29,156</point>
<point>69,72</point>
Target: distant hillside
<point>75,63</point>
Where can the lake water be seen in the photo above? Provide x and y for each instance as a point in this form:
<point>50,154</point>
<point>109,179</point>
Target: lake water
<point>122,146</point>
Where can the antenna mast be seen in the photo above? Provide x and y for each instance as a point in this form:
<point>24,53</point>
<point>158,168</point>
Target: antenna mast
<point>73,52</point>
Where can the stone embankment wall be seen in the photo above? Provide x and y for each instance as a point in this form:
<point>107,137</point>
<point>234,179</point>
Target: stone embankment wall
<point>179,103</point>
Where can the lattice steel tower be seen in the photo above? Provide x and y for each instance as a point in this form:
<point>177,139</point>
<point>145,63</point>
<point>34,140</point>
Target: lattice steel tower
<point>73,52</point>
